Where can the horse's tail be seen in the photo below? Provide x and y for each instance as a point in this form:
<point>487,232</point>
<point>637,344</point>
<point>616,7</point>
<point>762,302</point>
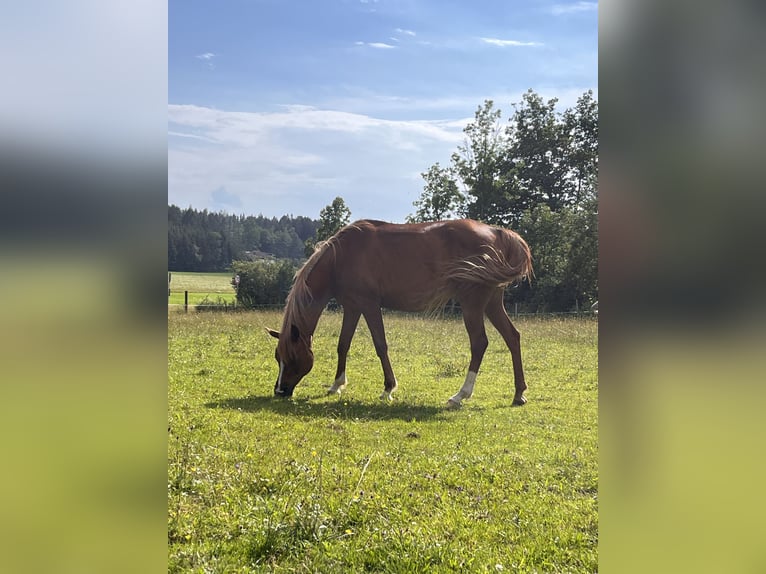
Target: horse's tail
<point>507,260</point>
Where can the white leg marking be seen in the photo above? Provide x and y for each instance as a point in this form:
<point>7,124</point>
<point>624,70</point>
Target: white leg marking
<point>338,385</point>
<point>386,395</point>
<point>465,392</point>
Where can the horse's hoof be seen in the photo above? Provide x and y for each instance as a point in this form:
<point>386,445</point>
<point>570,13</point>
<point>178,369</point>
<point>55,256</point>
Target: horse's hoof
<point>453,404</point>
<point>517,402</point>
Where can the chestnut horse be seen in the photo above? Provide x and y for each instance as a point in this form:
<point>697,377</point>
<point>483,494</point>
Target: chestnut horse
<point>411,267</point>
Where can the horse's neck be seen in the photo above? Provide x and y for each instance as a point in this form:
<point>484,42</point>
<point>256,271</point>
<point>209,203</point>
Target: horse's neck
<point>319,282</point>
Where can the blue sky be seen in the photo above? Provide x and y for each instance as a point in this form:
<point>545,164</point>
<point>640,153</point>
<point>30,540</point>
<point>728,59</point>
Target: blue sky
<point>278,106</point>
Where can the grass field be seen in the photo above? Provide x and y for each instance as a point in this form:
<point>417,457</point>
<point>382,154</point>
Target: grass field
<point>200,286</point>
<point>351,484</point>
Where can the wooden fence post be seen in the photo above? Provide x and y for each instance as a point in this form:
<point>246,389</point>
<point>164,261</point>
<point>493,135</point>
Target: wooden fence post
<point>186,301</point>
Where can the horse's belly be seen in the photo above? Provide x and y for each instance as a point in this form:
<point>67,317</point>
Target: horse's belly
<point>398,283</point>
<point>415,298</point>
<point>404,304</point>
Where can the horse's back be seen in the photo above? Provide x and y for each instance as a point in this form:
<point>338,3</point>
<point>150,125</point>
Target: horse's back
<point>457,238</point>
<point>406,265</point>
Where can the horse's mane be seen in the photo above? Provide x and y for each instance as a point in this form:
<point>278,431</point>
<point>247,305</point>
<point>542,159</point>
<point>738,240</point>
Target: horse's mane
<point>300,296</point>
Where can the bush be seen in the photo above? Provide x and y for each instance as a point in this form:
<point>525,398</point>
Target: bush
<point>217,304</point>
<point>263,283</point>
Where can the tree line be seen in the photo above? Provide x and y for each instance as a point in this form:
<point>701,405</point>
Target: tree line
<point>206,241</point>
<point>536,174</point>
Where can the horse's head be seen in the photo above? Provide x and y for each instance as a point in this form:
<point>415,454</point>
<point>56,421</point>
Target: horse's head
<point>294,358</point>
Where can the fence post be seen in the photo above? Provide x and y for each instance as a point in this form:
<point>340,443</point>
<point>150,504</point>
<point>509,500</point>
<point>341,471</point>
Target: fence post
<point>515,310</point>
<point>186,301</point>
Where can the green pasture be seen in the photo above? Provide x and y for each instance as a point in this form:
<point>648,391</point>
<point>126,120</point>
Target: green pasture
<point>352,484</point>
<point>200,286</point>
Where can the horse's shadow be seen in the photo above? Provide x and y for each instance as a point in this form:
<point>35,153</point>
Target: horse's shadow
<point>341,408</point>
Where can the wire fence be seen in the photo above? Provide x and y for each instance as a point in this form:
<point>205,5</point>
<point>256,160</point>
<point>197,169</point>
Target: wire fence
<point>453,312</point>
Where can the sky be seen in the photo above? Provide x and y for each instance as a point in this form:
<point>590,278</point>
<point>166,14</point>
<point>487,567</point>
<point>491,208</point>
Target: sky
<point>276,107</point>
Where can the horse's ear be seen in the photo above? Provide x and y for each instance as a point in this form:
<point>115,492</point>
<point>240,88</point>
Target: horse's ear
<point>295,334</point>
<point>273,333</point>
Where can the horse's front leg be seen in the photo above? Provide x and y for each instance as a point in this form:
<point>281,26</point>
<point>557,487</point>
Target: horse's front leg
<point>374,319</point>
<point>350,321</point>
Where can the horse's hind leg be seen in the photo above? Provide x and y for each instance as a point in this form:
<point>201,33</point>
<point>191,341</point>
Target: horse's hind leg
<point>473,317</point>
<point>350,321</point>
<point>374,319</point>
<point>500,320</point>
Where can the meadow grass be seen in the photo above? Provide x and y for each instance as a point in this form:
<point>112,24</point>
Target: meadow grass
<point>352,484</point>
<point>201,286</point>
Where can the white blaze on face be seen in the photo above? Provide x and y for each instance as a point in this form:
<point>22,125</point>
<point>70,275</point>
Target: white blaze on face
<point>279,378</point>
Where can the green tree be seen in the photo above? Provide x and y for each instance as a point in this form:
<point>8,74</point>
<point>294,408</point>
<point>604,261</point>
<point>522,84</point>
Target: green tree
<point>205,241</point>
<point>564,246</point>
<point>331,219</point>
<point>535,161</point>
<point>477,163</point>
<point>548,234</point>
<point>581,126</point>
<point>581,272</point>
<point>441,199</point>
<point>537,175</point>
<point>263,283</point>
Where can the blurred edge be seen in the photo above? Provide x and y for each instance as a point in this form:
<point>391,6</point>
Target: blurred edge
<point>83,148</point>
<point>83,173</point>
<point>682,274</point>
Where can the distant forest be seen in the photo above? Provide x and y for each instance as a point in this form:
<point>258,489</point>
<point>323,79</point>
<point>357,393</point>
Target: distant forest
<point>204,241</point>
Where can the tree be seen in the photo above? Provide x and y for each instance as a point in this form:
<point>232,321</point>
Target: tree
<point>331,219</point>
<point>263,283</point>
<point>205,241</point>
<point>581,126</point>
<point>538,175</point>
<point>477,164</point>
<point>536,158</point>
<point>441,199</point>
<point>581,273</point>
<point>548,234</point>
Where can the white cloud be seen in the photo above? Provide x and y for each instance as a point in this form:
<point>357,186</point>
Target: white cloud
<point>405,32</point>
<point>207,57</point>
<point>250,128</point>
<point>376,45</point>
<point>297,159</point>
<point>507,43</point>
<point>189,136</point>
<point>560,9</point>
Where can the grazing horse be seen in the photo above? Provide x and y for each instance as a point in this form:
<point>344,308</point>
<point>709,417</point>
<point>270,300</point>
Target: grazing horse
<point>369,264</point>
